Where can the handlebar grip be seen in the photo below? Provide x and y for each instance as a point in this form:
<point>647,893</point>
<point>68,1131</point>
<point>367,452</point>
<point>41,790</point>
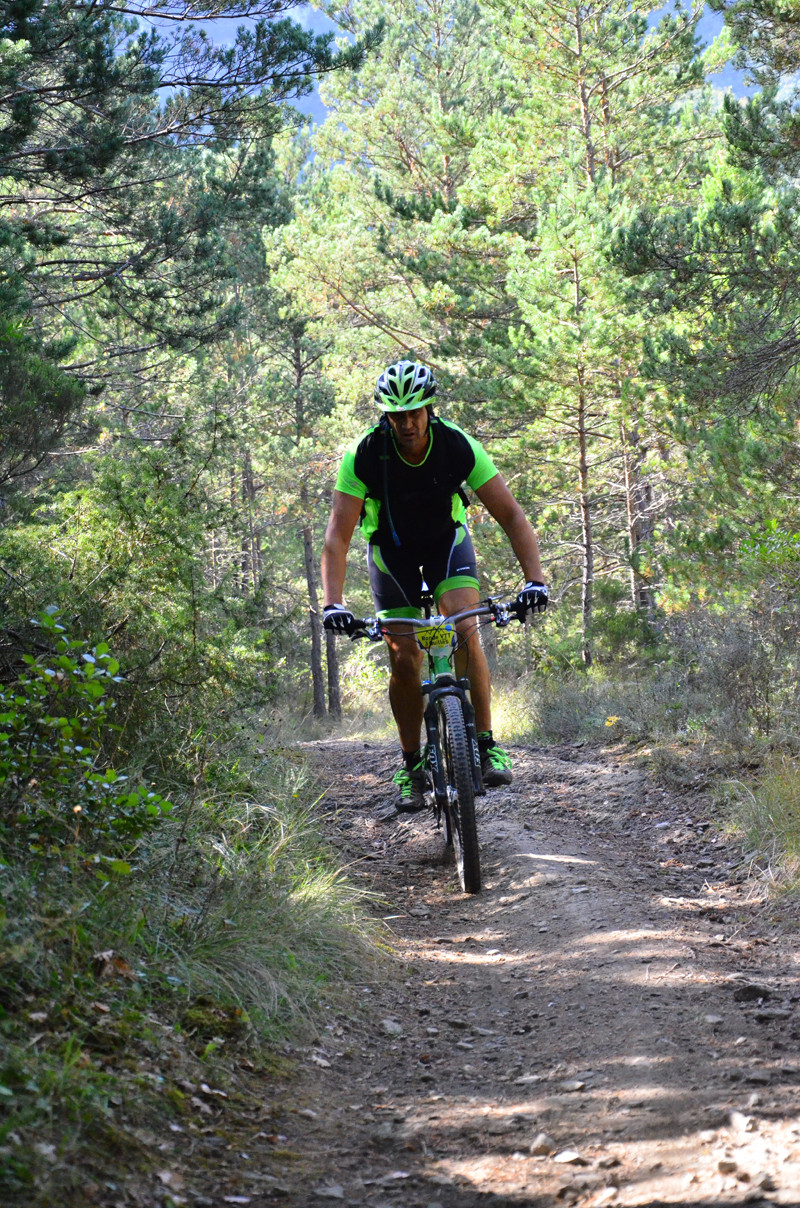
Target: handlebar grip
<point>518,610</point>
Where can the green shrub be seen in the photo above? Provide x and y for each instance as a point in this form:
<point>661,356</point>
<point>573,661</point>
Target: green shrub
<point>54,791</point>
<point>621,632</point>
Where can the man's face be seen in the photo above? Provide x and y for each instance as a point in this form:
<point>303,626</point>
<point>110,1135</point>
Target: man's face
<point>410,429</point>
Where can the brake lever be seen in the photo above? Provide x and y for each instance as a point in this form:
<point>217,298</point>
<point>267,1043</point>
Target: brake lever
<point>502,614</point>
<point>369,629</point>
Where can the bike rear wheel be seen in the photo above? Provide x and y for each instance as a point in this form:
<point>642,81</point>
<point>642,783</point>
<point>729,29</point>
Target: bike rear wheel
<point>461,827</point>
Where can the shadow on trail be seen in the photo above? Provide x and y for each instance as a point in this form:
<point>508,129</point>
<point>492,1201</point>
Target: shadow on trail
<point>583,997</point>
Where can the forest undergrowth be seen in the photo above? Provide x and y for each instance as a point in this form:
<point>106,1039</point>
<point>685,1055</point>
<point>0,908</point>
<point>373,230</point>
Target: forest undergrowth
<point>709,702</point>
<point>691,732</point>
<point>139,933</point>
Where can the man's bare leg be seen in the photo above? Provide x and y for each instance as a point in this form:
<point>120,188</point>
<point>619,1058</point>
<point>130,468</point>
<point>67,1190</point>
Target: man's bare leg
<point>405,695</point>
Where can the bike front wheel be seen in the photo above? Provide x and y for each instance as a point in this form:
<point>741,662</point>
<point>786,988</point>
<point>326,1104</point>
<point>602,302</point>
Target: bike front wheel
<point>461,827</point>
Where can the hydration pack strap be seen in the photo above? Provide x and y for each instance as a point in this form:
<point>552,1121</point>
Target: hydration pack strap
<point>384,458</point>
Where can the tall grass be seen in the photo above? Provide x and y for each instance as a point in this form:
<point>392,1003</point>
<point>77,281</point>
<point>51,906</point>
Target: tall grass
<point>235,897</point>
<point>235,928</point>
<point>272,921</point>
<point>767,816</point>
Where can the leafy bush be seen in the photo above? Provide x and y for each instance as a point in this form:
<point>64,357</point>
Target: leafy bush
<point>365,684</point>
<point>621,632</point>
<point>53,789</point>
<point>134,529</point>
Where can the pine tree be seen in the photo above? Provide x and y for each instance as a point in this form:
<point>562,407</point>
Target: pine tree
<point>115,215</point>
<point>767,33</point>
<point>717,279</point>
<point>603,107</point>
<point>384,237</point>
<point>36,401</point>
<point>725,267</point>
<point>464,220</point>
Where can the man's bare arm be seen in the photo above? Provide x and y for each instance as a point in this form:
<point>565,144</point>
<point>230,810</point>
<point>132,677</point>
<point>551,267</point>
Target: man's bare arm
<point>338,535</point>
<point>501,504</point>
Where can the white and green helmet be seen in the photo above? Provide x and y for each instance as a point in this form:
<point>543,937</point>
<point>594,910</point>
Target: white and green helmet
<point>404,387</point>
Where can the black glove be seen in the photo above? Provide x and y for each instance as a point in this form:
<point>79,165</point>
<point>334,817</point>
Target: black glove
<point>338,619</point>
<point>532,598</point>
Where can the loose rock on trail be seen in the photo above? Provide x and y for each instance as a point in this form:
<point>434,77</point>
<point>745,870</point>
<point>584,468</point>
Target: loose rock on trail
<point>610,1022</point>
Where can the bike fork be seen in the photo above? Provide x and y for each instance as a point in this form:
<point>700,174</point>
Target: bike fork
<point>435,759</point>
<point>432,692</point>
<point>472,739</point>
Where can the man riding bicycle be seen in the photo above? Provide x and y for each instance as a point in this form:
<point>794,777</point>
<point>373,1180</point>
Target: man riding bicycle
<point>403,480</point>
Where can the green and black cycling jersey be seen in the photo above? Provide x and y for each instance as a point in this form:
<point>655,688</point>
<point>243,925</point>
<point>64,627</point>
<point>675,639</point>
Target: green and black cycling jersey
<point>407,505</point>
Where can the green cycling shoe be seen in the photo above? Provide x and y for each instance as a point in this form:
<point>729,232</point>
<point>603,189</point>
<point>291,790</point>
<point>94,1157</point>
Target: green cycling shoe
<point>413,784</point>
<point>495,763</point>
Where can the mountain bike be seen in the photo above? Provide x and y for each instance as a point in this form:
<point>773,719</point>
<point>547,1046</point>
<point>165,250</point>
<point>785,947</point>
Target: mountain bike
<point>452,742</point>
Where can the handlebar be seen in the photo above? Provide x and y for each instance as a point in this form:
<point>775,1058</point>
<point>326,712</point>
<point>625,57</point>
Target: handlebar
<point>496,610</point>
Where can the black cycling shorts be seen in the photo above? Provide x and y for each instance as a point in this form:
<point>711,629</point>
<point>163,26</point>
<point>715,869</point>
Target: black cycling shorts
<point>396,576</point>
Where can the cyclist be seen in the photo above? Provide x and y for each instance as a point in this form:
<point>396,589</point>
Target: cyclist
<point>403,479</point>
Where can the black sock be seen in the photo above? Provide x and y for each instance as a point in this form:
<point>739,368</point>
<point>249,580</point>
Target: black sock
<point>411,759</point>
<point>485,740</point>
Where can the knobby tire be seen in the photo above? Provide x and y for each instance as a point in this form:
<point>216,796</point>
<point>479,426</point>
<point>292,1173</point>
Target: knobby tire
<point>462,829</point>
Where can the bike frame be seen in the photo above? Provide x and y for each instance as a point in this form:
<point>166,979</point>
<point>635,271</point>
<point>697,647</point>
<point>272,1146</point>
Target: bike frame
<point>438,637</point>
<point>443,637</point>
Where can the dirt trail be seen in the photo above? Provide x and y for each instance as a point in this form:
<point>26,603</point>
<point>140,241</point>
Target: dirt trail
<point>609,1022</point>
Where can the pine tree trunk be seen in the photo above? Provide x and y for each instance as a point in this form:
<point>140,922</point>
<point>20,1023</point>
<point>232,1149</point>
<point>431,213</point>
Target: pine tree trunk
<point>317,677</point>
<point>244,560</point>
<point>252,547</point>
<point>584,502</point>
<point>236,577</point>
<point>626,462</point>
<point>638,503</point>
<point>334,683</point>
<point>314,610</point>
<point>583,97</point>
<point>587,536</point>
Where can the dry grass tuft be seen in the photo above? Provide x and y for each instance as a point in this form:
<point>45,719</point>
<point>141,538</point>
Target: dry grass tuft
<point>767,815</point>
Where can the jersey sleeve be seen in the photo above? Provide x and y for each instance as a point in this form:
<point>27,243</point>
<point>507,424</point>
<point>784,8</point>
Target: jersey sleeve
<point>483,469</point>
<point>347,481</point>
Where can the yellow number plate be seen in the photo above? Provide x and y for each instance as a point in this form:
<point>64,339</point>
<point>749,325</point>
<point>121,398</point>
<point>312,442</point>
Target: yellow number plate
<point>437,635</point>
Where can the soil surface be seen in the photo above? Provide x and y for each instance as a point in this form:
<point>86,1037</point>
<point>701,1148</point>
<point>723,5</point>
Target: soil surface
<point>612,1021</point>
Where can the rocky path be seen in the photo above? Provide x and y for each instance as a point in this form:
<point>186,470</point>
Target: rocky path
<point>609,1022</point>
